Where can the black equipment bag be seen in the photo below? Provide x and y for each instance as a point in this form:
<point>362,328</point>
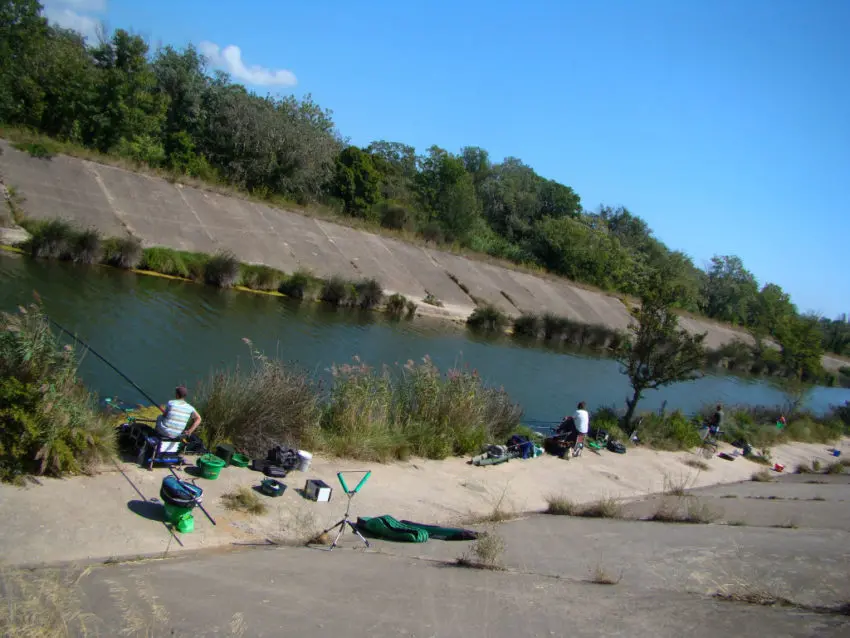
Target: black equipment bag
<point>616,447</point>
<point>284,457</point>
<point>275,471</point>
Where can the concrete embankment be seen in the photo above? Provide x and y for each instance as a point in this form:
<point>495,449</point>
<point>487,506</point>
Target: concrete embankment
<point>117,201</point>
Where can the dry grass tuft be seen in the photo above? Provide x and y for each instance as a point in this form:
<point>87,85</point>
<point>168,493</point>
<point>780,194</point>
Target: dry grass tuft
<point>702,466</point>
<point>602,577</point>
<point>762,476</point>
<point>603,508</point>
<point>560,506</point>
<point>836,468</point>
<point>694,512</point>
<point>485,553</point>
<point>677,487</point>
<point>244,499</point>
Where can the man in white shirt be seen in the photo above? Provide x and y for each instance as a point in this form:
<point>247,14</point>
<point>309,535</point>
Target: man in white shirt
<point>582,419</point>
<point>176,416</point>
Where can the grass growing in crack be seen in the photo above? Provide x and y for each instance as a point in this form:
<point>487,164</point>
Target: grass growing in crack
<point>560,506</point>
<point>677,487</point>
<point>697,464</point>
<point>737,523</point>
<point>762,476</point>
<point>600,576</point>
<point>836,468</point>
<point>603,508</point>
<point>789,524</point>
<point>695,512</point>
<point>499,514</point>
<point>244,499</point>
<point>818,498</point>
<point>485,553</point>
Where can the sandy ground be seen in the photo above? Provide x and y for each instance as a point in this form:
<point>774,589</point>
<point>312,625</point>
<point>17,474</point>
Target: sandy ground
<point>112,514</point>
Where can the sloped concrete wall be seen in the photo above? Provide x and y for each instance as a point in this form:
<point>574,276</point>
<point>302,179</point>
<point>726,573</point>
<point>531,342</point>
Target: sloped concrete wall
<point>117,201</point>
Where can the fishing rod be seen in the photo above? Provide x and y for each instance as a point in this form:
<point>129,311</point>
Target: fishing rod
<point>95,353</point>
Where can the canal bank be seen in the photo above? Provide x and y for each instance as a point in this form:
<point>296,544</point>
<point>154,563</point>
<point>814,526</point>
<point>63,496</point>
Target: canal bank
<point>161,332</point>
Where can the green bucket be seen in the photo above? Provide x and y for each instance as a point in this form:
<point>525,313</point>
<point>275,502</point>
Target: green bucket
<point>173,513</point>
<point>240,460</point>
<point>210,466</point>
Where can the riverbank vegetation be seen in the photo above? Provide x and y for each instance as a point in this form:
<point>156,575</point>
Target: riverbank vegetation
<point>49,424</point>
<point>366,413</point>
<point>60,239</point>
<point>163,111</point>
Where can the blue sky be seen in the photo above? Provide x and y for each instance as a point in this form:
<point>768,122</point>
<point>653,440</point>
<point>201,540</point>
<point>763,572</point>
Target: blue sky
<point>724,124</point>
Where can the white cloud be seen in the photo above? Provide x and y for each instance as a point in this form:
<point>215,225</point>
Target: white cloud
<point>71,14</point>
<point>230,59</point>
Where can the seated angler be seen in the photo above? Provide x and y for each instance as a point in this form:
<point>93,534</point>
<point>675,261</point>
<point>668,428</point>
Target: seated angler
<point>176,415</point>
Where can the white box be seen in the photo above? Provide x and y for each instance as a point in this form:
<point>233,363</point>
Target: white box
<point>317,490</point>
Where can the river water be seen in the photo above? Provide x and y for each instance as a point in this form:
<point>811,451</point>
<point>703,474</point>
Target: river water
<point>161,332</point>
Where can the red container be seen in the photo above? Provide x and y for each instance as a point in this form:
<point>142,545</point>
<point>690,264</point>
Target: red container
<point>778,467</point>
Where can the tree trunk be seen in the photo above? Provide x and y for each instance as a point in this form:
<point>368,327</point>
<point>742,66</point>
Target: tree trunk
<point>630,412</point>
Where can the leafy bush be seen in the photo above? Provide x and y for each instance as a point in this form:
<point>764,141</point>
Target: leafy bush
<point>487,319</point>
<point>527,326</point>
<point>398,305</point>
<point>298,286</point>
<point>124,252</point>
<point>222,270</point>
<point>394,215</point>
<point>258,277</point>
<point>48,422</point>
<point>669,432</point>
<point>51,239</point>
<point>35,149</point>
<point>338,292</point>
<point>369,293</point>
<point>86,247</point>
<point>255,409</point>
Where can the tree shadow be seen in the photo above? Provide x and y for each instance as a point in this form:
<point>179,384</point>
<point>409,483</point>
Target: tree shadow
<point>148,509</point>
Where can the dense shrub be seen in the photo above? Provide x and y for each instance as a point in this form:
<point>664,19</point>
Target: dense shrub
<point>299,285</point>
<point>51,239</point>
<point>87,247</point>
<point>369,293</point>
<point>527,326</point>
<point>386,414</point>
<point>254,409</point>
<point>222,270</point>
<point>258,277</point>
<point>124,252</point>
<point>399,305</point>
<point>338,292</point>
<point>48,422</point>
<point>669,432</point>
<point>487,319</point>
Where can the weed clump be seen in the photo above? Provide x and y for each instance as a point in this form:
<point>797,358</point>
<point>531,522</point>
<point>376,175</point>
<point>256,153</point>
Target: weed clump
<point>369,293</point>
<point>246,500</point>
<point>338,292</point>
<point>49,421</point>
<point>221,270</point>
<point>560,506</point>
<point>603,508</point>
<point>487,319</point>
<point>124,252</point>
<point>762,476</point>
<point>485,553</point>
<point>299,285</point>
<point>258,277</point>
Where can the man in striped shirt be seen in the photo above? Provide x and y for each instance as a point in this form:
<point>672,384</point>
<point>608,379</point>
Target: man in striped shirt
<point>176,415</point>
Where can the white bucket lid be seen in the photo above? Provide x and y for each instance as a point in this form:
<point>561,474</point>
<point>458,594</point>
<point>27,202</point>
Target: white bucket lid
<point>304,455</point>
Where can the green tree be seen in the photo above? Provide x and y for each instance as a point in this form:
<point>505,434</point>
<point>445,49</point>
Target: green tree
<point>800,339</point>
<point>658,352</point>
<point>357,181</point>
<point>448,193</point>
<point>771,309</point>
<point>130,111</point>
<point>23,34</point>
<point>730,290</point>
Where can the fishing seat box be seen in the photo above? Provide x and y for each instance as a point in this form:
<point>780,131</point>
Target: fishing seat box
<point>317,490</point>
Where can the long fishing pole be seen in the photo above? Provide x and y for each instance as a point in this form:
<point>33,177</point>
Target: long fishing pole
<point>95,353</point>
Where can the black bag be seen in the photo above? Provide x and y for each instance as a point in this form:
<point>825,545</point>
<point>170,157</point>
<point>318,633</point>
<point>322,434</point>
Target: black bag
<point>275,471</point>
<point>284,457</point>
<point>259,465</point>
<point>616,447</point>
